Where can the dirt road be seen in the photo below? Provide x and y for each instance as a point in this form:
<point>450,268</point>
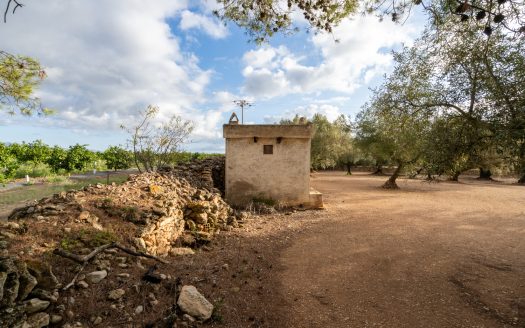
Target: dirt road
<point>428,255</point>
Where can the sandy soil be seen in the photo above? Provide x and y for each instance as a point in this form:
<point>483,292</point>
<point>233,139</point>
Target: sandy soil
<point>428,255</point>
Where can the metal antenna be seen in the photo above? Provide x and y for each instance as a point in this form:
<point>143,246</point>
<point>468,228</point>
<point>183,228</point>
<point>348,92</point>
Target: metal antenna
<point>242,103</point>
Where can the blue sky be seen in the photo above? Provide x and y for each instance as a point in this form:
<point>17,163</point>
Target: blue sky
<point>107,60</point>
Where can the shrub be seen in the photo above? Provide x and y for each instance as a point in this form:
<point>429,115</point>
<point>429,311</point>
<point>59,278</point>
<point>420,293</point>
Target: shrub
<point>34,170</point>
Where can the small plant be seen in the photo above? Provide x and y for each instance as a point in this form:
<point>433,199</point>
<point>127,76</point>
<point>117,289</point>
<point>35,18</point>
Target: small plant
<point>87,238</point>
<point>131,213</point>
<point>265,201</point>
<point>106,202</point>
<point>216,315</point>
<point>69,243</point>
<point>264,206</point>
<point>103,237</point>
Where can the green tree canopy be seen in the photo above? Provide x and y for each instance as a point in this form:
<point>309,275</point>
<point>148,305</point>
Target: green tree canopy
<point>77,158</point>
<point>117,158</point>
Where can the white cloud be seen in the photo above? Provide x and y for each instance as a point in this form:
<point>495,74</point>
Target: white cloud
<point>106,60</point>
<point>358,57</point>
<point>264,57</point>
<point>210,25</point>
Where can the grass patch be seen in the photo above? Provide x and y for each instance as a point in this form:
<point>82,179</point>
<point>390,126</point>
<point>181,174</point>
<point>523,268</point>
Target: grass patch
<point>56,179</point>
<point>265,201</point>
<point>21,195</point>
<point>86,238</point>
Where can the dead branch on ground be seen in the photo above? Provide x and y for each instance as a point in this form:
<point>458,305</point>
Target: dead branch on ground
<point>84,259</point>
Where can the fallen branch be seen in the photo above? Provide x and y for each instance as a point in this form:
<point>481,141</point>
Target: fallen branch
<point>72,283</point>
<point>84,259</point>
<point>142,254</point>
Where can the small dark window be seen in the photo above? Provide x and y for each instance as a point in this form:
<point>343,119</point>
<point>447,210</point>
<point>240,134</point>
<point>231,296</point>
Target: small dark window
<point>268,149</point>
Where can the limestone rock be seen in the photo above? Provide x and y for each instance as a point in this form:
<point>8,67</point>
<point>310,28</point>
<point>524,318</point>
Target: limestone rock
<point>37,320</point>
<point>90,218</point>
<point>97,321</point>
<point>116,294</point>
<point>193,303</point>
<point>44,295</point>
<point>3,278</point>
<point>43,274</point>
<point>55,318</point>
<point>96,276</point>
<point>82,284</point>
<point>9,225</point>
<point>11,283</point>
<point>26,281</point>
<point>188,318</point>
<point>181,251</point>
<point>35,305</point>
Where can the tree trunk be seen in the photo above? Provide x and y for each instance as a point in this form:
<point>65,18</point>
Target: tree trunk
<point>415,174</point>
<point>455,176</point>
<point>522,179</point>
<point>348,168</point>
<point>379,170</point>
<point>485,174</point>
<point>391,182</point>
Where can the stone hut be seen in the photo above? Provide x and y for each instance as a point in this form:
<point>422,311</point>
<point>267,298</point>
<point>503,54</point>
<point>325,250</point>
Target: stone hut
<point>269,162</point>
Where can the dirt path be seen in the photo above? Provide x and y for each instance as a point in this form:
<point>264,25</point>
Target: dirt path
<point>429,255</point>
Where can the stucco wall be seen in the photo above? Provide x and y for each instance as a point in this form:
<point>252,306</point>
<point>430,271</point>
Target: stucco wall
<point>283,175</point>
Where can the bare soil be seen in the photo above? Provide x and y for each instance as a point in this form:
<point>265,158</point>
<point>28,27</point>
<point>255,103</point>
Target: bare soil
<point>427,255</point>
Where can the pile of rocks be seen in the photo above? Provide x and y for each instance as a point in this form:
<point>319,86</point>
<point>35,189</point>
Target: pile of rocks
<point>206,173</point>
<point>171,208</point>
<point>27,288</point>
<point>160,213</point>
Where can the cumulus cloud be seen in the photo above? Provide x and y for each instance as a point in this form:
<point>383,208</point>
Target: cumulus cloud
<point>356,58</point>
<point>106,60</point>
<point>210,25</point>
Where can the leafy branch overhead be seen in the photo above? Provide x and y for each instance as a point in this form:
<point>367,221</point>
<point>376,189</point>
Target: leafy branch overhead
<point>492,14</point>
<point>19,77</point>
<point>263,18</point>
